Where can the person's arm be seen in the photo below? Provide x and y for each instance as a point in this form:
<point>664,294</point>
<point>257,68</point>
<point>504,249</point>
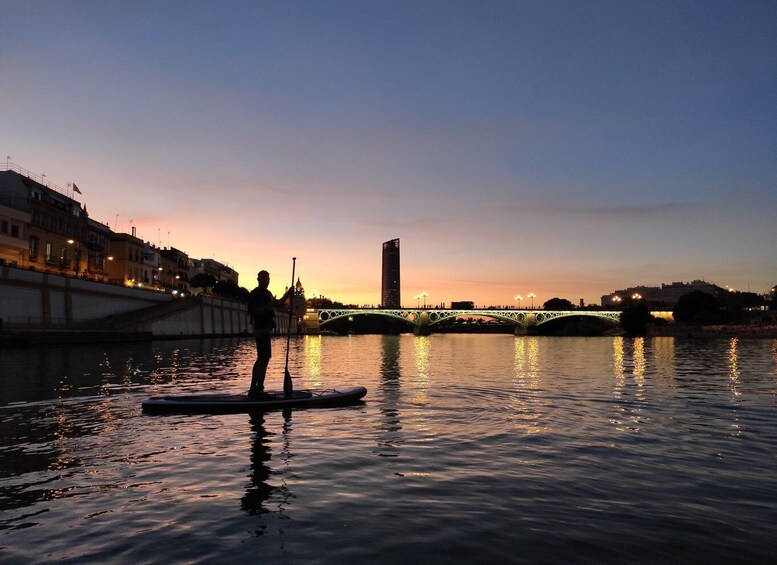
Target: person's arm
<point>289,292</point>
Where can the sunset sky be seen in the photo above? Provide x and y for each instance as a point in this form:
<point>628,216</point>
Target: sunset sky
<point>562,148</point>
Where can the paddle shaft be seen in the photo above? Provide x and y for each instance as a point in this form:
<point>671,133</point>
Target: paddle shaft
<point>288,387</point>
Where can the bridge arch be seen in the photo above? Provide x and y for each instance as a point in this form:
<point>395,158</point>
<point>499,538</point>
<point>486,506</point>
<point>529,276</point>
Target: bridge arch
<point>330,315</point>
<point>418,317</point>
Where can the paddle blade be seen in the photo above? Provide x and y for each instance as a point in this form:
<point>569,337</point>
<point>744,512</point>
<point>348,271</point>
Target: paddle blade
<point>288,388</point>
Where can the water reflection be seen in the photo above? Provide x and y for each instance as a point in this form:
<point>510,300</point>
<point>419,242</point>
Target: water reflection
<point>618,365</point>
<point>134,489</point>
<point>733,368</point>
<point>734,385</point>
<point>525,402</point>
<point>389,423</point>
<point>312,349</point>
<point>629,364</point>
<point>774,363</point>
<point>664,357</point>
<point>639,367</point>
<point>422,346</point>
<point>259,491</point>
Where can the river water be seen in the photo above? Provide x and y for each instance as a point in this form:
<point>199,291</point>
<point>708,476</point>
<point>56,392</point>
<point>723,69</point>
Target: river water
<point>468,448</point>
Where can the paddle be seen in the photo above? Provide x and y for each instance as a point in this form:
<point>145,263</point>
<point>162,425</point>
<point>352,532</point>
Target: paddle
<point>288,388</point>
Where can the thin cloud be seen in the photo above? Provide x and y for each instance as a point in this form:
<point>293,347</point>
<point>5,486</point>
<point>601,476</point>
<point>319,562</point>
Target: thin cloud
<point>638,212</point>
<point>615,212</point>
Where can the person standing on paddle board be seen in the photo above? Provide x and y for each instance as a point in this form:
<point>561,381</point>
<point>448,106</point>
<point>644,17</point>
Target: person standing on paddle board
<point>261,308</point>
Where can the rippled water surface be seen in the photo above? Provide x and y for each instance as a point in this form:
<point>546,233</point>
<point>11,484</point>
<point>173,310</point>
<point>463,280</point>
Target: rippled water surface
<point>468,448</point>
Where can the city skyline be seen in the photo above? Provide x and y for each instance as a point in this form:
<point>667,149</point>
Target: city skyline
<point>560,149</point>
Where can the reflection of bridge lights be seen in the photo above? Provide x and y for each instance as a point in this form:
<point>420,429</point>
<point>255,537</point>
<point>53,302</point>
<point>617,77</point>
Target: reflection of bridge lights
<point>524,400</point>
<point>313,355</point>
<point>422,345</point>
<point>639,361</point>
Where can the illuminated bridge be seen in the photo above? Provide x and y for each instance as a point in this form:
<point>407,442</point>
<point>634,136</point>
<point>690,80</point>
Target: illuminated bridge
<point>423,320</point>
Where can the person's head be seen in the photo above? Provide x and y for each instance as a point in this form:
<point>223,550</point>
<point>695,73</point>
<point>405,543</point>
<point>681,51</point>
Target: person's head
<point>263,278</point>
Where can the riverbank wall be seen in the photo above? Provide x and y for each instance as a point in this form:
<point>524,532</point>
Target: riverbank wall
<point>40,307</point>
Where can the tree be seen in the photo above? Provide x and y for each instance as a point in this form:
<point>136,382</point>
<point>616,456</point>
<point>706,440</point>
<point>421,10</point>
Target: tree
<point>228,289</point>
<point>736,300</point>
<point>696,306</point>
<point>558,304</point>
<point>202,280</point>
<point>635,317</point>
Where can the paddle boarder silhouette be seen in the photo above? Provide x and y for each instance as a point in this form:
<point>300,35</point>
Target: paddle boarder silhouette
<point>261,308</point>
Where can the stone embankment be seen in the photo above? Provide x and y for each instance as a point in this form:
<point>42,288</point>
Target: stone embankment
<point>38,307</point>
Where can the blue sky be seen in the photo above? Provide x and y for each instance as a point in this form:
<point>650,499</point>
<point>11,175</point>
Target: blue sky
<point>562,148</point>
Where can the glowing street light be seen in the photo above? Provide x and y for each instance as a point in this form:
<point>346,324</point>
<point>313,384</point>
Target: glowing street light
<point>532,296</point>
<point>636,296</point>
<point>518,297</point>
<point>76,254</point>
<point>418,298</point>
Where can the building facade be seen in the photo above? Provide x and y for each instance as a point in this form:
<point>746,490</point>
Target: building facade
<point>665,295</point>
<point>219,271</point>
<point>175,269</point>
<point>390,296</point>
<point>125,262</point>
<point>13,237</point>
<point>43,228</point>
<point>56,232</point>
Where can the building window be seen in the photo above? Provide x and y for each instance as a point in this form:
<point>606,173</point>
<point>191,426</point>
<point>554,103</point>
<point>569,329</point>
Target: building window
<point>3,226</point>
<point>14,230</point>
<point>48,251</point>
<point>33,248</point>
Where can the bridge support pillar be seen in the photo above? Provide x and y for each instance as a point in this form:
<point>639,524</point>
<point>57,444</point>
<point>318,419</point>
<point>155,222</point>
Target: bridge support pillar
<point>520,330</point>
<point>422,330</point>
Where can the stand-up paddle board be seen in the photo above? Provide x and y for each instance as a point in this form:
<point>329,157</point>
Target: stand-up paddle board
<point>231,403</point>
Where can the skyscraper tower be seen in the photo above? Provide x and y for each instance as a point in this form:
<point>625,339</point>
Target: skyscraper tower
<point>389,293</point>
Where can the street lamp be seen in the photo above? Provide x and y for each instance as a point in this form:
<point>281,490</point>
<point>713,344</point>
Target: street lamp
<point>518,297</point>
<point>76,254</point>
<point>418,298</point>
<point>636,296</point>
<point>532,296</point>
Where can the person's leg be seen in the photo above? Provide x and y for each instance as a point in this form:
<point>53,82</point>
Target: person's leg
<point>263,354</point>
<point>257,375</point>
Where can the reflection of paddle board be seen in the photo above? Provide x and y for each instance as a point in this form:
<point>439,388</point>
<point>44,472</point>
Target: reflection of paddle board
<point>230,403</point>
